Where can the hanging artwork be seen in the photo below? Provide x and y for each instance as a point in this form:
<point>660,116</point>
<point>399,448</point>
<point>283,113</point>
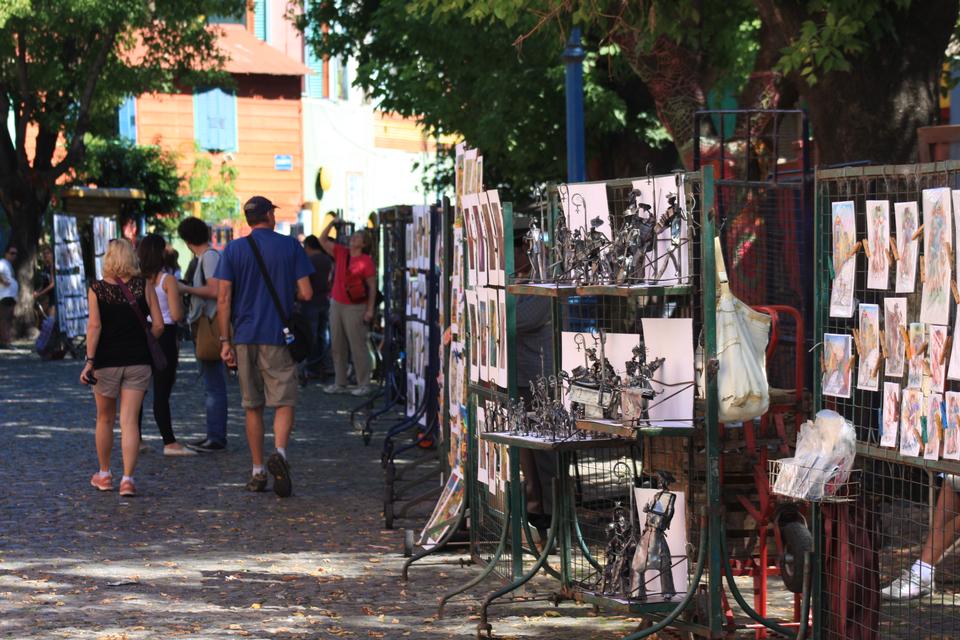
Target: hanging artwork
<point>469,230</point>
<point>955,198</point>
<point>936,346</point>
<point>582,203</point>
<point>915,367</point>
<point>502,372</point>
<point>911,409</point>
<point>837,364</point>
<point>670,339</point>
<point>473,332</point>
<point>905,216</point>
<point>934,427</point>
<point>878,240</point>
<point>894,328</point>
<point>937,234</point>
<point>891,414</point>
<point>868,370</point>
<point>951,431</point>
<point>496,214</point>
<point>953,370</point>
<point>844,260</point>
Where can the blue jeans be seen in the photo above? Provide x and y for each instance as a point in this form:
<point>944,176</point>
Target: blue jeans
<point>317,314</point>
<point>215,388</point>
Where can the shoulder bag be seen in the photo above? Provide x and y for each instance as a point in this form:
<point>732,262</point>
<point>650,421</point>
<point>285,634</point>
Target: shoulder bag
<point>296,329</point>
<point>206,340</point>
<point>156,352</point>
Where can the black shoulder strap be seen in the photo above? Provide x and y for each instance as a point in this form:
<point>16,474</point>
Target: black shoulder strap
<point>266,279</point>
<point>203,275</point>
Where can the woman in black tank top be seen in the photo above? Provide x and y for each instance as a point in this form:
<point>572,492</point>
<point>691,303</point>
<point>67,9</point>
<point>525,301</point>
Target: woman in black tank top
<point>118,358</point>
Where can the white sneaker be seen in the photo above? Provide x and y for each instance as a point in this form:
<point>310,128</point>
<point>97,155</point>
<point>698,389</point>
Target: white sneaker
<point>362,390</point>
<point>908,587</point>
<point>336,388</point>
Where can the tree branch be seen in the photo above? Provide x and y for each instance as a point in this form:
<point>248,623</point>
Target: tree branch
<point>76,148</point>
<point>25,109</point>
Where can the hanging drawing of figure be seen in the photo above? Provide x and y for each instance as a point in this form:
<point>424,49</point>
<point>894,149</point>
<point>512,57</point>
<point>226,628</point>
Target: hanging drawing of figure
<point>905,214</point>
<point>911,408</point>
<point>937,344</point>
<point>844,260</point>
<point>937,233</point>
<point>935,422</point>
<point>891,414</point>
<point>868,371</point>
<point>951,434</point>
<point>915,368</point>
<point>894,326</point>
<point>837,364</point>
<point>878,238</point>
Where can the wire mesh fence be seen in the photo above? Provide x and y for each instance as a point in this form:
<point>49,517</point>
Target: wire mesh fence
<point>888,567</point>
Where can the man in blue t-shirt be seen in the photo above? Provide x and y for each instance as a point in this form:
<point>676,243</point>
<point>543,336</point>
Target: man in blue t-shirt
<point>268,374</point>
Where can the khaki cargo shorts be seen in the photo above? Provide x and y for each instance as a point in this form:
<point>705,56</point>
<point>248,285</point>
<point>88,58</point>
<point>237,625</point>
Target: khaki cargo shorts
<point>268,375</point>
<point>110,380</point>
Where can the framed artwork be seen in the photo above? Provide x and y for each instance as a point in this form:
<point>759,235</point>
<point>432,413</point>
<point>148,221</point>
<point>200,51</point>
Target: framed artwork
<point>911,409</point>
<point>915,366</point>
<point>951,431</point>
<point>905,217</point>
<point>894,326</point>
<point>936,345</point>
<point>868,370</point>
<point>471,237</point>
<point>496,214</point>
<point>844,259</point>
<point>891,414</point>
<point>878,239</point>
<point>937,234</point>
<point>837,364</point>
<point>935,422</point>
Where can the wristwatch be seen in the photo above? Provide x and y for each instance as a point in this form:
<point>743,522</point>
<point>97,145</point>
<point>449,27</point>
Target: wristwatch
<point>222,339</point>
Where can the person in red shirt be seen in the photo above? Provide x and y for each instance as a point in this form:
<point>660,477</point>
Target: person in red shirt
<point>352,300</point>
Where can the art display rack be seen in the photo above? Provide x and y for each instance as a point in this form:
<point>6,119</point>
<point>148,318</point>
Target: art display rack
<point>392,393</point>
<point>882,532</point>
<point>411,467</point>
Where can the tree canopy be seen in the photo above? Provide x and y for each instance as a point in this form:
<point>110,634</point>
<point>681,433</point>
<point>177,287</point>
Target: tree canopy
<point>869,71</point>
<point>65,67</point>
<point>468,79</point>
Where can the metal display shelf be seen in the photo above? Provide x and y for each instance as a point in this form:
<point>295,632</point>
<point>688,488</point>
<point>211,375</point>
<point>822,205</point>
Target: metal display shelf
<point>618,291</point>
<point>616,428</point>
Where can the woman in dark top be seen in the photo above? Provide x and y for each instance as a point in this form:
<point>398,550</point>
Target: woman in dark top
<point>152,255</point>
<point>118,358</point>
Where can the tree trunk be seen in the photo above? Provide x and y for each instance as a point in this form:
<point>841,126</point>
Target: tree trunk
<point>25,206</point>
<point>872,113</point>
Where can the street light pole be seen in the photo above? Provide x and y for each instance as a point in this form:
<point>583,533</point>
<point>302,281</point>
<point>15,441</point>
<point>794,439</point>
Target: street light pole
<point>573,56</point>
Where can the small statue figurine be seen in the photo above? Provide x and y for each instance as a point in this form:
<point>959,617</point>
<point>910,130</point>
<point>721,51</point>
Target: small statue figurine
<point>653,552</point>
<point>535,253</point>
<point>621,548</point>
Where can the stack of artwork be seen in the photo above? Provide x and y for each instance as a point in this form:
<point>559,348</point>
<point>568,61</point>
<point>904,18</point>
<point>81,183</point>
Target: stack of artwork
<point>71,286</point>
<point>901,346</point>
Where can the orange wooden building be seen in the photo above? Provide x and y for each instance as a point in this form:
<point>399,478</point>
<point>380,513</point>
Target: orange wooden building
<point>255,125</point>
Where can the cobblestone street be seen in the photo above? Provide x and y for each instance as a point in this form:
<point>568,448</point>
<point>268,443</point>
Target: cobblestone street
<point>196,556</point>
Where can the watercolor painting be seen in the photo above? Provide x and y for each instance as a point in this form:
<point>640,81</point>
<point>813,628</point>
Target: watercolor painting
<point>953,370</point>
<point>905,216</point>
<point>935,424</point>
<point>911,409</point>
<point>915,369</point>
<point>878,240</point>
<point>837,364</point>
<point>844,260</point>
<point>894,326</point>
<point>951,430</point>
<point>937,234</point>
<point>868,369</point>
<point>891,414</point>
<point>936,345</point>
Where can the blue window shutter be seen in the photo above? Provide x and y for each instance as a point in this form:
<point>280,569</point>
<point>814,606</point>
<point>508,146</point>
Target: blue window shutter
<point>215,120</point>
<point>127,115</point>
<point>260,19</point>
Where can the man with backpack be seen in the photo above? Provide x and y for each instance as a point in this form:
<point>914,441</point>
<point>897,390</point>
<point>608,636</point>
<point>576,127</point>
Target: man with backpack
<point>201,317</point>
<point>259,277</point>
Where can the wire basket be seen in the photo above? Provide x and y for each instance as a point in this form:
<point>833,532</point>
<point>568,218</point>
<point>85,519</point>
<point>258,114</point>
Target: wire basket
<point>792,480</point>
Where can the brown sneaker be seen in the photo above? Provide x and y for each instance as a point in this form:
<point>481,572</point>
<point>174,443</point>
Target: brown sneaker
<point>257,482</point>
<point>280,470</point>
<point>102,483</point>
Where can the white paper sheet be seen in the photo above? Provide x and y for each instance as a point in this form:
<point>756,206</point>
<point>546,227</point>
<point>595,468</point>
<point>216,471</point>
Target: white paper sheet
<point>671,339</point>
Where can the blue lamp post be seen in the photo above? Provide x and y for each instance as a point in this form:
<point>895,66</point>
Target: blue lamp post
<point>573,56</point>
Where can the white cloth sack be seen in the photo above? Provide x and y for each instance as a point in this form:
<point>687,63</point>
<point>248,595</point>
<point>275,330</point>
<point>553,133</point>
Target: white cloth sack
<point>742,336</point>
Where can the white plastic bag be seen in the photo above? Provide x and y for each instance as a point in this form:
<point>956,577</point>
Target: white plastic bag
<point>742,336</point>
<point>823,460</point>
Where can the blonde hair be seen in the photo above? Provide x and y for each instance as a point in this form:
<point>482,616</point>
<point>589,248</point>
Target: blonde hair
<point>120,260</point>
